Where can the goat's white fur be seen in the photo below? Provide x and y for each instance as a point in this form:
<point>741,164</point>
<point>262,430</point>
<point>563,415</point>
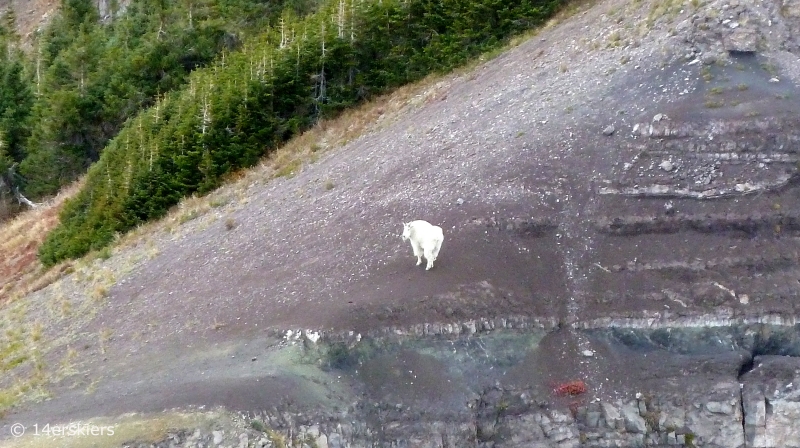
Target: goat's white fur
<point>426,240</point>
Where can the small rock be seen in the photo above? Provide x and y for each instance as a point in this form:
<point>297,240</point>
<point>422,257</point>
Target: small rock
<point>254,358</point>
<point>719,408</point>
<point>587,353</point>
<point>659,117</point>
<point>669,208</point>
<point>593,419</point>
<point>774,80</point>
<point>708,59</point>
<point>670,438</point>
<point>609,130</point>
<point>313,431</point>
<point>633,422</point>
<point>744,299</point>
<point>666,166</point>
<point>460,201</point>
<point>742,40</point>
<point>610,414</point>
<point>217,437</point>
<point>335,440</point>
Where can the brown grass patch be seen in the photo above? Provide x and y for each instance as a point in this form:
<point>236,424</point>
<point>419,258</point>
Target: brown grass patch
<point>20,270</point>
<point>145,429</point>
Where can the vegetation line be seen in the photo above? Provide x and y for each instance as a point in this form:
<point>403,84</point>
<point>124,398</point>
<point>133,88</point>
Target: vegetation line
<point>282,82</point>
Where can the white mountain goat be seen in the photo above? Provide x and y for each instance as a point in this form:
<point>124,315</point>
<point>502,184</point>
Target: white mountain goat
<point>426,240</point>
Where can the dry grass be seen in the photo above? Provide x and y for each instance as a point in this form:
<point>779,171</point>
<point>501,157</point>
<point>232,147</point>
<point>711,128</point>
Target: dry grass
<point>104,337</point>
<point>21,361</point>
<point>127,428</point>
<point>21,367</point>
<point>20,270</point>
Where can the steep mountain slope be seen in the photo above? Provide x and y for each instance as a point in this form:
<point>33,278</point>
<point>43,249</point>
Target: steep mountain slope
<point>634,166</point>
<point>30,15</point>
<point>536,200</point>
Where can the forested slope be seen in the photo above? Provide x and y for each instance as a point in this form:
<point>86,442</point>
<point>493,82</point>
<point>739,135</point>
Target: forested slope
<point>84,75</point>
<point>245,104</point>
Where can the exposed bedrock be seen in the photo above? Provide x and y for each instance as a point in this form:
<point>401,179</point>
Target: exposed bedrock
<point>727,386</point>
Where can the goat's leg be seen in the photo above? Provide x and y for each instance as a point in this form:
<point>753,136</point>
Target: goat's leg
<point>431,258</point>
<point>417,252</point>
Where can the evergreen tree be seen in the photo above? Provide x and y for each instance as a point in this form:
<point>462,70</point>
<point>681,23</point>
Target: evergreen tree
<point>75,16</point>
<point>16,98</point>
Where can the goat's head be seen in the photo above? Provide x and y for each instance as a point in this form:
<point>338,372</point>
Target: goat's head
<point>406,231</point>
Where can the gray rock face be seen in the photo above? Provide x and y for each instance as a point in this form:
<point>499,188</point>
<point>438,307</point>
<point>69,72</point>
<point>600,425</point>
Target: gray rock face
<point>745,27</point>
<point>790,9</point>
<point>772,402</point>
<point>742,40</point>
<point>634,423</point>
<point>664,424</point>
<point>681,402</point>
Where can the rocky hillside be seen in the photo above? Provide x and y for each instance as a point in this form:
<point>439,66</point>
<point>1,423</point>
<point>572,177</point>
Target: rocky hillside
<point>619,196</point>
<point>30,15</point>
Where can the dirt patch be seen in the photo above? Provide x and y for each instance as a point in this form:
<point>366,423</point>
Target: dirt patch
<point>31,16</point>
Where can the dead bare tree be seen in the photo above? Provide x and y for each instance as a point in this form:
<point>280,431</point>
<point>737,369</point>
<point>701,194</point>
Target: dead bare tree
<point>320,84</point>
<point>10,181</point>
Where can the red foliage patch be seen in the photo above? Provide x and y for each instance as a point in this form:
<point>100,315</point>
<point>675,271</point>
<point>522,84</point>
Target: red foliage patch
<point>570,388</point>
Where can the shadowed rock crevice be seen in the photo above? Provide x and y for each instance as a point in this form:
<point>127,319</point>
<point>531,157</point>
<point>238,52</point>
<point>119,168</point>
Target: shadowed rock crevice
<point>746,366</point>
<point>763,264</point>
<point>714,157</point>
<point>749,226</point>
